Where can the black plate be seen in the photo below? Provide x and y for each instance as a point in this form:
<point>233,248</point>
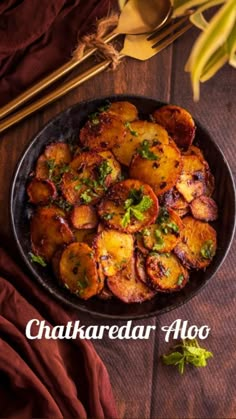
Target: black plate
<point>67,125</point>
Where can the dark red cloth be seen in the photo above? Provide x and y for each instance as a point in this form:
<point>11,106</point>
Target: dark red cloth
<point>37,36</point>
<point>45,378</point>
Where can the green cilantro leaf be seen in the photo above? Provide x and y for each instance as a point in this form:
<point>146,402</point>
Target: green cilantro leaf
<point>37,259</point>
<point>145,152</point>
<point>104,169</point>
<point>136,210</point>
<point>86,198</point>
<point>132,132</point>
<point>207,250</point>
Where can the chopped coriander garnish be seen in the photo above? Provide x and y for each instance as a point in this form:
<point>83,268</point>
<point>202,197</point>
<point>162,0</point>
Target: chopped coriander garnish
<point>145,152</point>
<point>189,353</point>
<point>51,166</point>
<point>163,215</point>
<point>207,250</point>
<point>86,197</point>
<point>104,169</point>
<point>132,132</point>
<point>108,216</point>
<point>180,279</point>
<point>63,204</point>
<point>146,232</point>
<point>104,107</point>
<point>136,210</point>
<point>159,241</point>
<point>37,259</point>
<point>77,187</point>
<point>93,117</point>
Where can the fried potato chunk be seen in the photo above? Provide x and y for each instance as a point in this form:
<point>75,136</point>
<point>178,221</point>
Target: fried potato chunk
<point>192,181</point>
<point>198,244</point>
<point>127,287</point>
<point>87,179</point>
<point>49,231</point>
<point>178,123</point>
<point>173,199</point>
<point>102,132</point>
<point>85,235</point>
<point>165,233</point>
<point>161,174</point>
<point>83,217</point>
<point>193,151</point>
<point>140,266</point>
<point>115,173</point>
<point>204,208</point>
<point>78,270</point>
<point>41,191</point>
<point>124,110</point>
<point>54,159</point>
<point>138,134</point>
<point>113,250</point>
<point>166,272</point>
<point>129,206</point>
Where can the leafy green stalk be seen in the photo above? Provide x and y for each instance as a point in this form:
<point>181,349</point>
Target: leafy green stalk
<point>37,259</point>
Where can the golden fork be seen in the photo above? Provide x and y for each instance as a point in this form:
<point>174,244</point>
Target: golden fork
<point>141,47</point>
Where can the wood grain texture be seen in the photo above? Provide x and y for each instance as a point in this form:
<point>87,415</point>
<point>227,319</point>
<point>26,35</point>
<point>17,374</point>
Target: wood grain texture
<point>143,387</point>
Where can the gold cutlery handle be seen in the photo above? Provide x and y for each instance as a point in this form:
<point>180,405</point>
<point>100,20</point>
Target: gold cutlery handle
<point>51,78</point>
<point>56,94</point>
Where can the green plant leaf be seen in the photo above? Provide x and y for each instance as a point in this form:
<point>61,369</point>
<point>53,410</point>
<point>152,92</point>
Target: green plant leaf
<point>182,6</point>
<point>217,60</point>
<point>209,41</point>
<point>198,19</point>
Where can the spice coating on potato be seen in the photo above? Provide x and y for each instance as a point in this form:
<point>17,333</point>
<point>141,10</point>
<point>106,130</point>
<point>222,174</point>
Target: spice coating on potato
<point>83,217</point>
<point>49,231</point>
<point>129,206</point>
<point>204,208</point>
<point>41,191</point>
<point>192,181</point>
<point>161,174</point>
<point>178,123</point>
<point>198,244</point>
<point>124,110</point>
<point>127,287</point>
<point>55,157</point>
<point>113,250</point>
<point>138,133</point>
<point>165,233</point>
<point>166,272</point>
<point>78,270</point>
<point>102,132</point>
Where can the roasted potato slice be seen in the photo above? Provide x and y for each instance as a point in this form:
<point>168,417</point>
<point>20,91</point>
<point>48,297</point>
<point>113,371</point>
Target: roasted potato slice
<point>84,216</point>
<point>198,244</point>
<point>140,267</point>
<point>113,250</point>
<point>204,208</point>
<point>41,191</point>
<point>124,110</point>
<point>192,181</point>
<point>165,233</point>
<point>78,270</point>
<point>161,174</point>
<point>49,231</point>
<point>127,287</point>
<point>165,272</point>
<point>141,135</point>
<point>115,173</point>
<point>178,123</point>
<point>102,131</point>
<point>129,206</point>
<point>54,161</point>
<point>85,235</point>
<point>173,199</point>
<point>193,151</point>
<point>139,243</point>
<point>87,180</point>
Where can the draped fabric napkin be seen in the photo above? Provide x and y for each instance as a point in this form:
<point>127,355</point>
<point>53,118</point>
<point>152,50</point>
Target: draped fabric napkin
<point>37,36</point>
<point>43,378</point>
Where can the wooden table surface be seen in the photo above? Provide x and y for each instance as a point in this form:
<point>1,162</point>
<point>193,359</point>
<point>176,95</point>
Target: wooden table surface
<point>143,387</point>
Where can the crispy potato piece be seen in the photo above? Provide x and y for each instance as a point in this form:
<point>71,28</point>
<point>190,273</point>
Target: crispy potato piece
<point>138,132</point>
<point>83,217</point>
<point>192,181</point>
<point>124,110</point>
<point>178,123</point>
<point>85,235</point>
<point>114,164</point>
<point>173,199</point>
<point>82,183</point>
<point>78,270</point>
<point>198,244</point>
<point>204,208</point>
<point>193,151</point>
<point>139,243</point>
<point>49,231</point>
<point>116,214</point>
<point>127,287</point>
<point>161,174</point>
<point>102,132</point>
<point>41,191</point>
<point>165,233</point>
<point>55,156</point>
<point>140,267</point>
<point>113,250</point>
<point>166,272</point>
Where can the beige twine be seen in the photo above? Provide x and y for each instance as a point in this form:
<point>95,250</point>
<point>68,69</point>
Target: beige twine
<point>95,40</point>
